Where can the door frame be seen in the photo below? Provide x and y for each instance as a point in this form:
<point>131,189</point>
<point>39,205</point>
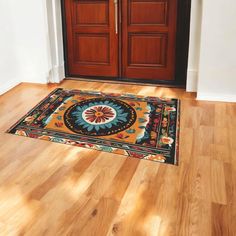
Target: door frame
<point>182,49</point>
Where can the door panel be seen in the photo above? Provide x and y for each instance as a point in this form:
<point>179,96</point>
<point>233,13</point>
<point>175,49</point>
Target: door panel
<point>92,42</point>
<point>153,13</point>
<point>149,35</point>
<point>92,13</point>
<point>87,44</point>
<point>142,47</point>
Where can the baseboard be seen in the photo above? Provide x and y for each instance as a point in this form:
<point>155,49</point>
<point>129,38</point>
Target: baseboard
<point>56,75</point>
<point>216,97</point>
<point>35,79</point>
<point>9,84</point>
<point>192,78</point>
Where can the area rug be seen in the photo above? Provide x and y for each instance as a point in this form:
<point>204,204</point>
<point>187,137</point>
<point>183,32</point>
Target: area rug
<point>136,126</point>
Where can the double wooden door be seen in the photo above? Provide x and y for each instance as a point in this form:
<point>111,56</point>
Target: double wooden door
<point>121,38</point>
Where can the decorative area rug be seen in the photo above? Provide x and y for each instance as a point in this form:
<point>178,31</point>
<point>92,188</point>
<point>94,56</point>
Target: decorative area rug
<point>136,126</point>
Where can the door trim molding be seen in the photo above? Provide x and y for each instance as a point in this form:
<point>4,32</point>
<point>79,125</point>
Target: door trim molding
<point>182,41</point>
<point>182,48</point>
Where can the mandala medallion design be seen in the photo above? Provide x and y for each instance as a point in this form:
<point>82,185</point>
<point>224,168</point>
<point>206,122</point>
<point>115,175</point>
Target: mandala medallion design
<point>99,114</point>
<point>99,117</point>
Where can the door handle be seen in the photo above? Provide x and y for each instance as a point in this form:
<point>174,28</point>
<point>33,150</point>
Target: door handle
<point>116,15</point>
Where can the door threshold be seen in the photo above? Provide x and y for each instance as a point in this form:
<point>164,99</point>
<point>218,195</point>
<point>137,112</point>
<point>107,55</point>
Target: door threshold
<point>139,82</point>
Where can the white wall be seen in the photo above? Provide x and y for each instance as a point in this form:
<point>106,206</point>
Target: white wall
<point>9,67</point>
<point>32,40</point>
<point>25,46</point>
<point>217,68</point>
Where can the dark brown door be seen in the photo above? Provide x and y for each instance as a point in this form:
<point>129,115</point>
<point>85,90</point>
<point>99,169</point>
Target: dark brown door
<point>140,44</point>
<point>92,41</point>
<point>149,35</point>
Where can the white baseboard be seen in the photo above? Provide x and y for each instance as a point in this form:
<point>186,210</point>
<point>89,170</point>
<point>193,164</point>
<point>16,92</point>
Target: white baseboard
<point>55,75</point>
<point>35,79</point>
<point>216,97</point>
<point>9,84</point>
<point>192,78</point>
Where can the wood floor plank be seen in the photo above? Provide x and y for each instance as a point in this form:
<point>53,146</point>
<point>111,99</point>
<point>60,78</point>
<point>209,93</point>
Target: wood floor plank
<point>54,189</point>
<point>193,216</point>
<point>131,210</point>
<point>195,178</point>
<point>218,182</point>
<point>221,220</point>
<point>79,196</point>
<point>101,211</point>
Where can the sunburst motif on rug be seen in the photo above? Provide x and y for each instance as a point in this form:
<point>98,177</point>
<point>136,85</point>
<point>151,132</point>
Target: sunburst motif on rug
<point>136,126</point>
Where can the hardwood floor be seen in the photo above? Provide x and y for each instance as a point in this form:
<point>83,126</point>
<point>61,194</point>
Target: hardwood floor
<point>53,189</point>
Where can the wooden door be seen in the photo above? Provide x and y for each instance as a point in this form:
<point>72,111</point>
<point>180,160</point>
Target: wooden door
<point>92,40</point>
<point>149,35</point>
